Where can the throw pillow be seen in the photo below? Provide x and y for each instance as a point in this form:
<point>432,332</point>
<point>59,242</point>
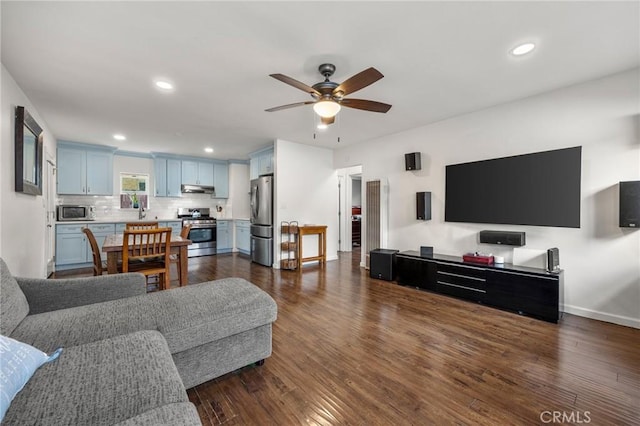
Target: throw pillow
<point>18,362</point>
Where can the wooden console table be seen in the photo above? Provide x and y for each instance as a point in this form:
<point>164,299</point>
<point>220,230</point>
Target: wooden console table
<point>321,232</point>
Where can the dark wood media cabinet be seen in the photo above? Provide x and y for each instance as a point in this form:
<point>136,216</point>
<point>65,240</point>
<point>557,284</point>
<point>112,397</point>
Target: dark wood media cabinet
<point>527,291</point>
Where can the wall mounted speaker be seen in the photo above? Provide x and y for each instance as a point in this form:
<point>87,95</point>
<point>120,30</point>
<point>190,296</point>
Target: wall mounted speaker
<point>503,237</point>
<point>423,205</point>
<point>630,204</point>
<point>412,161</point>
<point>553,260</point>
<point>382,264</point>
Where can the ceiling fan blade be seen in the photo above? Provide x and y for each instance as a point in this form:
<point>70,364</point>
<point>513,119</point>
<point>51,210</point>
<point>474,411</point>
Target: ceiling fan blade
<point>328,120</point>
<point>295,83</point>
<point>359,81</point>
<point>281,107</point>
<point>365,105</point>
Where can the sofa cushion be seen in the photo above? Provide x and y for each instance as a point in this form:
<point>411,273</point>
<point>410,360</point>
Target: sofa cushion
<point>210,311</point>
<point>18,362</point>
<point>100,383</point>
<point>12,300</point>
<point>90,323</point>
<point>187,317</point>
<point>183,414</point>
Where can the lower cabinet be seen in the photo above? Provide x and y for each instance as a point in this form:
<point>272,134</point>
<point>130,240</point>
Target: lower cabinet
<point>243,236</point>
<point>72,246</point>
<point>526,291</point>
<point>73,249</point>
<point>224,242</point>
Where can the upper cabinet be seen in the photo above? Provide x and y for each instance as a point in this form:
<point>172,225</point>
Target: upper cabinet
<point>221,180</point>
<point>261,163</point>
<point>197,173</point>
<point>168,177</point>
<point>84,170</point>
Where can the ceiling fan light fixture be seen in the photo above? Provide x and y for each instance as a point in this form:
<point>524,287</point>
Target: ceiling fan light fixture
<point>326,109</point>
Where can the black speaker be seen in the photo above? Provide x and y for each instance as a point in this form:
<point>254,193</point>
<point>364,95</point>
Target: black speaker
<point>423,205</point>
<point>553,260</point>
<point>426,251</point>
<point>412,161</point>
<point>382,264</point>
<point>630,204</point>
<point>503,237</point>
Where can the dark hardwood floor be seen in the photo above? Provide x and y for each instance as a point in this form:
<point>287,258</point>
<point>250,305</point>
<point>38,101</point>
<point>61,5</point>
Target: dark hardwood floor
<point>348,349</point>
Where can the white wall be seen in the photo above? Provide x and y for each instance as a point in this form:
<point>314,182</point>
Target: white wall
<point>22,217</point>
<point>306,191</point>
<point>239,189</point>
<point>601,260</point>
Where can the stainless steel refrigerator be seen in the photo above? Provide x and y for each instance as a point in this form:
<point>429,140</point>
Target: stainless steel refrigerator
<point>262,220</point>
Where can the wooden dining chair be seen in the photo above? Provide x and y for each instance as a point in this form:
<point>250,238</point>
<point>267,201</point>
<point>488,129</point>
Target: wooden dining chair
<point>141,225</point>
<point>184,234</point>
<point>97,258</point>
<point>147,251</point>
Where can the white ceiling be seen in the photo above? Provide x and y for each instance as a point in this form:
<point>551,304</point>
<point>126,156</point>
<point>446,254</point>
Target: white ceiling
<point>88,67</point>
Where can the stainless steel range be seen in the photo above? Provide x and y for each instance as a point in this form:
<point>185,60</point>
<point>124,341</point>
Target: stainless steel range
<point>203,230</point>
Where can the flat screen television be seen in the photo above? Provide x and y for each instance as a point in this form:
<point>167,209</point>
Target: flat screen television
<point>541,189</point>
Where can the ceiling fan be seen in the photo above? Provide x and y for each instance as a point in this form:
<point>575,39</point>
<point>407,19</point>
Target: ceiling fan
<point>328,96</point>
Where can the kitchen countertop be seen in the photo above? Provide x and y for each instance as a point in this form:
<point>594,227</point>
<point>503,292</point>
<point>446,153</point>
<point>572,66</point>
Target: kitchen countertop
<point>101,221</point>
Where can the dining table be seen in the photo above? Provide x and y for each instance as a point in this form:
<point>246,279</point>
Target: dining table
<point>112,246</point>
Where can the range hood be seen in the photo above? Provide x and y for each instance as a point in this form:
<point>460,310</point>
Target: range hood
<point>197,189</point>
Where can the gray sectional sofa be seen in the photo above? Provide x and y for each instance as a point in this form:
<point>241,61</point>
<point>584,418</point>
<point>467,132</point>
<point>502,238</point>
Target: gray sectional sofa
<point>128,356</point>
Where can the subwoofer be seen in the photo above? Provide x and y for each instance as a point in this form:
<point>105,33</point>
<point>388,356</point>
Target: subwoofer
<point>506,238</point>
<point>412,161</point>
<point>630,204</point>
<point>423,205</point>
<point>382,264</point>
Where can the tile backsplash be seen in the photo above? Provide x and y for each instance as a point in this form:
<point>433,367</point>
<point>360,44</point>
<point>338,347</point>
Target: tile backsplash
<point>108,207</point>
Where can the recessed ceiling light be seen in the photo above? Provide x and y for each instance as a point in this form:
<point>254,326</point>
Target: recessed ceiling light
<point>119,137</point>
<point>523,49</point>
<point>208,149</point>
<point>164,85</point>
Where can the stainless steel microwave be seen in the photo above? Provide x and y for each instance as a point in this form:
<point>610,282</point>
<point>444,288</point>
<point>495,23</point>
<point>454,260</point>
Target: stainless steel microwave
<point>70,213</point>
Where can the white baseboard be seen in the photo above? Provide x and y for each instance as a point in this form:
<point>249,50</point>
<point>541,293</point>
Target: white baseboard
<point>602,316</point>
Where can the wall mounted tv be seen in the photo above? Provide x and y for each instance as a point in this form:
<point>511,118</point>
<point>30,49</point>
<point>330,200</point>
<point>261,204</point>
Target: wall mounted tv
<point>540,189</point>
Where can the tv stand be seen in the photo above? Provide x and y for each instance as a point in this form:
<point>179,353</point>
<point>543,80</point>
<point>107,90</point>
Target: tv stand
<point>527,291</point>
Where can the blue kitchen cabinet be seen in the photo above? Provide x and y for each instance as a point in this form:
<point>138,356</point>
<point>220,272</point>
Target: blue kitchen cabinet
<point>261,163</point>
<point>224,240</point>
<point>71,244</point>
<point>84,170</point>
<point>197,173</point>
<point>243,236</point>
<point>221,180</point>
<point>168,177</point>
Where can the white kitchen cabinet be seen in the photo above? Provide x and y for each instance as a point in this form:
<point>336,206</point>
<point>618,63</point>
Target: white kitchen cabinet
<point>197,173</point>
<point>83,170</point>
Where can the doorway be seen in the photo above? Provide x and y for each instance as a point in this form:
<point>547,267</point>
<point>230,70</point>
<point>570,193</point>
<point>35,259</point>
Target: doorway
<point>50,212</point>
<point>350,192</point>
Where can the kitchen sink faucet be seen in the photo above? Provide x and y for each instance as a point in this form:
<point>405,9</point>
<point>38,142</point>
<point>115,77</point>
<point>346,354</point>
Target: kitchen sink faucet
<point>141,213</point>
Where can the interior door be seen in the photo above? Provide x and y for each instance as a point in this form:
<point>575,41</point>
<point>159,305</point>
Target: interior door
<point>50,212</point>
